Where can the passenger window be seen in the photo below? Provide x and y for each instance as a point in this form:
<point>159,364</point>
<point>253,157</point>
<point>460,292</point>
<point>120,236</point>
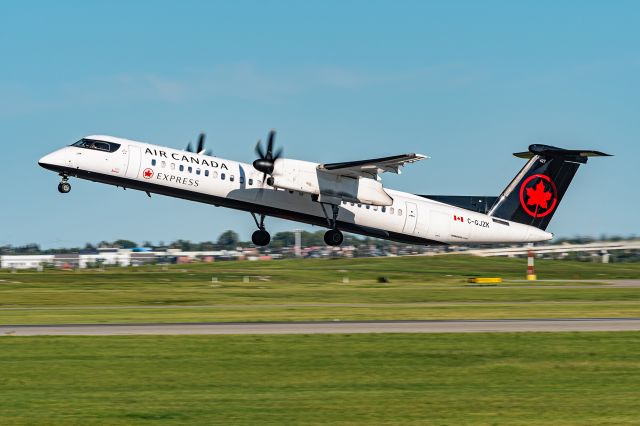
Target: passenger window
<point>352,204</point>
<point>399,212</point>
<point>173,166</point>
<point>368,206</point>
<point>197,171</point>
<point>206,172</point>
<point>391,210</point>
<point>359,205</point>
<point>383,209</point>
<point>222,176</point>
<point>181,168</point>
<point>163,164</point>
<point>153,162</point>
<point>250,181</point>
<point>231,178</point>
<point>190,169</point>
<point>241,180</point>
<point>214,174</point>
<point>375,208</point>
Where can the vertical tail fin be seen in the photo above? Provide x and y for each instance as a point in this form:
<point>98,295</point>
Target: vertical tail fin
<point>534,194</point>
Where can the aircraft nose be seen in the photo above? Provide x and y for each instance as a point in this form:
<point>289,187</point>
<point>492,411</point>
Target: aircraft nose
<point>45,160</point>
<point>51,161</point>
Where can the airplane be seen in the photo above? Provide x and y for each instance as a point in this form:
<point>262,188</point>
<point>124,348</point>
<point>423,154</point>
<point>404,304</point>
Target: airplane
<point>344,196</point>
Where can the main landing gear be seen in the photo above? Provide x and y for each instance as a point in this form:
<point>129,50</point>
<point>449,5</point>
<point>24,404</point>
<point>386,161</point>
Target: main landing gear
<point>260,237</point>
<point>333,237</point>
<point>64,186</point>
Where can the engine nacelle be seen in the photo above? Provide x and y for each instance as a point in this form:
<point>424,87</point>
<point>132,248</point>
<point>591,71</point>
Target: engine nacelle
<point>296,175</point>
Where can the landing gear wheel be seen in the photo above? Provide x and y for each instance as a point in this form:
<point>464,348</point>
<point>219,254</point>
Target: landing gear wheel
<point>333,237</point>
<point>64,187</point>
<point>260,237</point>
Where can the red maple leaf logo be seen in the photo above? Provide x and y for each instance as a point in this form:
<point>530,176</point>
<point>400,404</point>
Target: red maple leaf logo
<point>539,196</point>
<point>542,198</point>
<point>147,173</point>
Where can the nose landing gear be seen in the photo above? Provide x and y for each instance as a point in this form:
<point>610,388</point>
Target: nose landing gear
<point>260,237</point>
<point>64,186</point>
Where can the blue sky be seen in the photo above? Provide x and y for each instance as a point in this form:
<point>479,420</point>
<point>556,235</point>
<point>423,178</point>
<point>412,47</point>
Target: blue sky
<point>466,83</point>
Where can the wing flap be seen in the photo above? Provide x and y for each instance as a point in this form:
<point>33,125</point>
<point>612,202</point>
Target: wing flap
<point>372,167</point>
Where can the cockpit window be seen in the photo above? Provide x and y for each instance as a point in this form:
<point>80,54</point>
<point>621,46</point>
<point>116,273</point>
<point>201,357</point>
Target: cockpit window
<point>97,145</point>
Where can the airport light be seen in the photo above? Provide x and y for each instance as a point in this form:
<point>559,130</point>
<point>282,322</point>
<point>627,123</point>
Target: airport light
<point>531,273</point>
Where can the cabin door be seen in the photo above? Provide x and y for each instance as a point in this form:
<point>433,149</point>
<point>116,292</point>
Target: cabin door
<point>133,167</point>
<point>411,218</point>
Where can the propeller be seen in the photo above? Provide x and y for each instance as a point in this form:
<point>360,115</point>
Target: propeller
<point>200,147</point>
<point>266,159</point>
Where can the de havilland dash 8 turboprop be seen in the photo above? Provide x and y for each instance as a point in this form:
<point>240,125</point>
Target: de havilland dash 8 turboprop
<point>346,196</point>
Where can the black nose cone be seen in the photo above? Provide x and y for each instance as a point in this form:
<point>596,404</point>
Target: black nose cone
<point>264,166</point>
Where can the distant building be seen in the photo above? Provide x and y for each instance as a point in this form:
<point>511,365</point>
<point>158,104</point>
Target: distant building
<point>67,260</point>
<point>137,258</point>
<point>27,261</point>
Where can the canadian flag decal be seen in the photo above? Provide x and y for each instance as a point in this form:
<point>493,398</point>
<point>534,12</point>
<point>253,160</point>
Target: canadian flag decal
<point>458,218</point>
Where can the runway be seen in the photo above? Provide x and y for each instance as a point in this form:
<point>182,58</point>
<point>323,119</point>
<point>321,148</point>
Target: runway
<point>329,327</point>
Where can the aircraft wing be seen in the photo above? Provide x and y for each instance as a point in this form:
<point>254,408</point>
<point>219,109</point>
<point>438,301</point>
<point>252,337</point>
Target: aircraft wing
<point>371,168</point>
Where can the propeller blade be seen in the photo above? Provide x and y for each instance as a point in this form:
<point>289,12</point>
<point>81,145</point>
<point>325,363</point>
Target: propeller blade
<point>200,149</point>
<point>272,135</point>
<point>278,154</point>
<point>259,151</point>
<point>189,147</point>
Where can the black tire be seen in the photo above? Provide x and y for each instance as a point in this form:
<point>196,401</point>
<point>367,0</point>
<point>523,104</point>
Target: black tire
<point>333,237</point>
<point>64,187</point>
<point>260,238</point>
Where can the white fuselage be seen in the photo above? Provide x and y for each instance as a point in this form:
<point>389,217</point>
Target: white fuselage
<point>409,218</point>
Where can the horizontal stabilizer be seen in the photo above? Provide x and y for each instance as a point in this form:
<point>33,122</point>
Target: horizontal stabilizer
<point>552,151</point>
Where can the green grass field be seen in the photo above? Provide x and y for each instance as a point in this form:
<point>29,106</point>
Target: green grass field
<point>419,288</point>
<point>402,379</point>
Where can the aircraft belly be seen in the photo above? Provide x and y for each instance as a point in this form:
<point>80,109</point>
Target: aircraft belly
<point>302,203</point>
